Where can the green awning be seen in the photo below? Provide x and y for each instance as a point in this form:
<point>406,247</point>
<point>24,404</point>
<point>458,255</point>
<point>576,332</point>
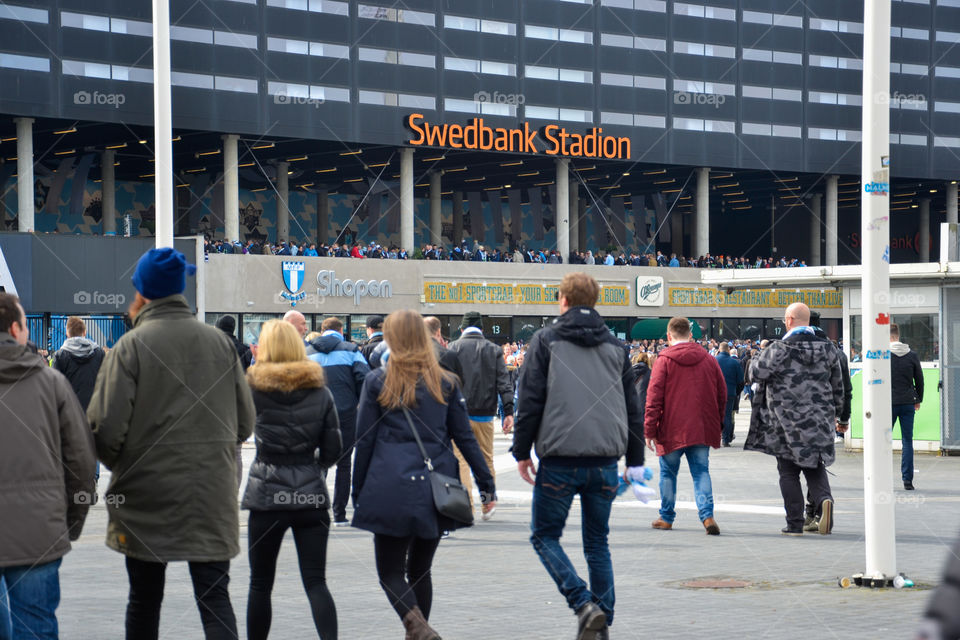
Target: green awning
<point>656,329</point>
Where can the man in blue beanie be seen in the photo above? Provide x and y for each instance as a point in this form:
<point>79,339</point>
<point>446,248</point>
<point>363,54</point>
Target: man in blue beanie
<point>170,405</point>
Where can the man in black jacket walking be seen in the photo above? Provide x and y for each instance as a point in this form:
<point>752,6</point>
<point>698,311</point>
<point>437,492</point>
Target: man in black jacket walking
<point>345,369</point>
<point>79,359</point>
<point>906,390</point>
<point>582,418</point>
<point>485,379</point>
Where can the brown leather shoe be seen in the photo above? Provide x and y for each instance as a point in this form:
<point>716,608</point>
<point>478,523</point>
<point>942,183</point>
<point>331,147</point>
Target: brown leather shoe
<point>660,524</point>
<point>711,526</point>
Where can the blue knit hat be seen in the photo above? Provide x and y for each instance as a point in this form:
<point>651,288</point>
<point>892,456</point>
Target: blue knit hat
<point>161,273</point>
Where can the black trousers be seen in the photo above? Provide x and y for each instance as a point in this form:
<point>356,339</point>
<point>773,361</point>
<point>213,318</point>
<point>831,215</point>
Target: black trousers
<point>266,530</point>
<point>818,489</point>
<point>210,582</point>
<point>342,486</point>
<point>403,565</point>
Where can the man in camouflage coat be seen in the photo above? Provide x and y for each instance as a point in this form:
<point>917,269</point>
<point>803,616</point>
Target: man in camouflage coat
<point>798,398</point>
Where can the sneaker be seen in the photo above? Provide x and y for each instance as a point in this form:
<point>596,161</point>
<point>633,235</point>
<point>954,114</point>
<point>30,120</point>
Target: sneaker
<point>811,524</point>
<point>726,444</point>
<point>908,485</point>
<point>838,439</point>
<point>826,517</point>
<point>488,513</point>
<point>341,523</point>
<point>590,621</point>
<point>711,526</point>
<point>659,523</point>
<point>604,634</point>
<point>787,531</point>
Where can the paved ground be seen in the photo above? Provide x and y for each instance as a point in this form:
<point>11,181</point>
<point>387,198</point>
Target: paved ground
<point>489,584</point>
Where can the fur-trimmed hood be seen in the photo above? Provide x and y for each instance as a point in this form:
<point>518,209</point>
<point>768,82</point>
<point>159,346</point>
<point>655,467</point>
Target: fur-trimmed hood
<point>285,376</point>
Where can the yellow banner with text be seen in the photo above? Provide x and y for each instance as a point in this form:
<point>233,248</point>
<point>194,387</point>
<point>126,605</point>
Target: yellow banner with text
<point>509,293</point>
<point>764,298</point>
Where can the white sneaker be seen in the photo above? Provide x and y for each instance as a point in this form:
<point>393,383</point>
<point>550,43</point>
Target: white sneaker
<point>488,513</point>
<point>838,439</point>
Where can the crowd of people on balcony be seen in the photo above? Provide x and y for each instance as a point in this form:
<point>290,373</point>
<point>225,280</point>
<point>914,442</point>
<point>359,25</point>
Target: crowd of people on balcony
<point>481,253</point>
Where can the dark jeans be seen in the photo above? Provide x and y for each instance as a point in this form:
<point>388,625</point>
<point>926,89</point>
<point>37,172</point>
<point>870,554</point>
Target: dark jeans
<point>341,487</point>
<point>266,530</point>
<point>728,418</point>
<point>552,495</point>
<point>906,414</point>
<point>818,489</point>
<point>29,596</point>
<point>210,582</point>
<point>403,565</point>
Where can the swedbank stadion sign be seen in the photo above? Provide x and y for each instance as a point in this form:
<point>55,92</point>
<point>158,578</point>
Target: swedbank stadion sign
<point>550,139</point>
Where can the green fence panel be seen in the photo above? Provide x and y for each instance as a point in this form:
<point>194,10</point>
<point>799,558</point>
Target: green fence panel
<point>926,425</point>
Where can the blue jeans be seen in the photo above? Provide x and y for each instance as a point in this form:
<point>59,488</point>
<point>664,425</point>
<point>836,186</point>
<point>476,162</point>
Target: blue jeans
<point>698,459</point>
<point>728,417</point>
<point>552,495</point>
<point>32,595</point>
<point>906,414</point>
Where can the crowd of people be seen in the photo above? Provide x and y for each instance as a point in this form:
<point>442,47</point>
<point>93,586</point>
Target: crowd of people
<point>480,253</point>
<point>408,419</point>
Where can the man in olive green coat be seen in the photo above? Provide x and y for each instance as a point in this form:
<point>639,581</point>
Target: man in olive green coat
<point>170,405</point>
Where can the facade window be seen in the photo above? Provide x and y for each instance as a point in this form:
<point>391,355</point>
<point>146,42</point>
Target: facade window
<point>239,85</point>
<point>390,99</point>
<point>913,34</point>
<point>302,47</point>
<point>702,49</point>
<point>701,11</point>
<point>944,107</point>
<point>944,141</point>
<point>23,14</point>
<point>656,122</point>
<point>231,39</point>
<point>483,108</point>
<point>191,34</point>
<point>193,80</point>
<point>283,91</point>
<point>910,139</point>
<point>390,56</point>
<point>562,75</point>
<point>696,124</point>
<point>909,69</point>
<point>839,135</point>
<point>576,115</point>
<point>631,42</point>
<point>947,72</point>
<point>640,5</point>
<point>773,19</point>
<point>838,26</point>
<point>27,63</point>
<point>542,113</point>
<point>698,86</point>
<point>834,62</point>
<point>83,69</point>
<point>479,66</point>
<point>609,117</point>
<point>104,23</point>
<point>483,26</point>
<point>390,14</point>
<point>948,36</point>
<point>847,99</point>
<point>334,7</point>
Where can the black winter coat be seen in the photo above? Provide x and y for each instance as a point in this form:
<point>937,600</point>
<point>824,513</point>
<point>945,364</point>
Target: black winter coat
<point>297,434</point>
<point>369,346</point>
<point>641,373</point>
<point>906,375</point>
<point>485,376</point>
<point>391,488</point>
<point>79,360</point>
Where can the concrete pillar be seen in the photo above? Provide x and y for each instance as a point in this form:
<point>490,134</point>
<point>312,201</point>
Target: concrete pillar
<point>436,209</point>
<point>562,208</point>
<point>323,216</point>
<point>703,213</point>
<point>924,240</point>
<point>582,225</point>
<point>573,230</point>
<point>952,203</point>
<point>458,218</point>
<point>108,189</point>
<point>231,189</point>
<point>283,202</point>
<point>406,199</point>
<point>25,207</point>
<point>815,222</point>
<point>831,220</point>
<point>676,232</point>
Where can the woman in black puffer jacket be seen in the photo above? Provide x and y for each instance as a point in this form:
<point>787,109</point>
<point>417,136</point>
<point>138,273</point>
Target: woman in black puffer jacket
<point>298,438</point>
<point>642,366</point>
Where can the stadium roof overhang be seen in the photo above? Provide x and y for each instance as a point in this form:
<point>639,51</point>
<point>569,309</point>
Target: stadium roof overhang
<point>836,276</point>
<point>315,165</point>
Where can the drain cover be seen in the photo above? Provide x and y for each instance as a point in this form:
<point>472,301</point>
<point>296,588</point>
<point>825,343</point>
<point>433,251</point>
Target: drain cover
<point>716,584</point>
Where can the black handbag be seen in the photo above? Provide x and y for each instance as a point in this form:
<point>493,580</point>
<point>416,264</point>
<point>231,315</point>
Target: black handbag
<point>450,497</point>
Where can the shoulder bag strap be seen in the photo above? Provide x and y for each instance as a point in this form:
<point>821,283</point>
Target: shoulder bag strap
<point>416,436</point>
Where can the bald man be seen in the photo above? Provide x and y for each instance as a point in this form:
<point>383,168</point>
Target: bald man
<point>795,409</point>
<point>298,321</point>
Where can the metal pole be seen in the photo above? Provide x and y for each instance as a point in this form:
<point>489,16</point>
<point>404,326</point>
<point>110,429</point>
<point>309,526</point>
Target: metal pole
<point>574,226</point>
<point>25,202</point>
<point>924,239</point>
<point>952,202</point>
<point>562,208</point>
<point>815,224</point>
<point>283,204</point>
<point>162,125</point>
<point>436,211</point>
<point>879,530</point>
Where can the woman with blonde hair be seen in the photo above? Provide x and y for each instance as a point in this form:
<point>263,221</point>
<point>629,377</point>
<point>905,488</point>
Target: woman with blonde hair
<point>642,367</point>
<point>298,437</point>
<point>391,486</point>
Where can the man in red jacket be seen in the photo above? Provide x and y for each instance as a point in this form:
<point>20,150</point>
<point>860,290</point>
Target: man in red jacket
<point>686,399</point>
